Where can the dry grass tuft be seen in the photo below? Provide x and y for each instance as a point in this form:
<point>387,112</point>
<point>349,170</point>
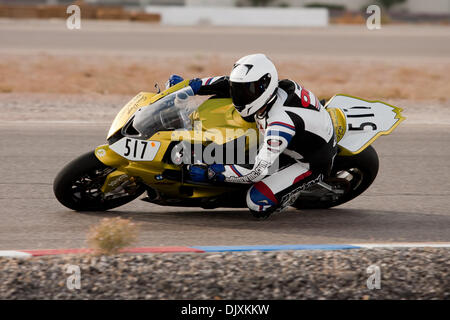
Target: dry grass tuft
<point>112,234</point>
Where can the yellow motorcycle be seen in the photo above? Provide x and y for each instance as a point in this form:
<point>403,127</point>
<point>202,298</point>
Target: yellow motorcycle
<point>156,136</point>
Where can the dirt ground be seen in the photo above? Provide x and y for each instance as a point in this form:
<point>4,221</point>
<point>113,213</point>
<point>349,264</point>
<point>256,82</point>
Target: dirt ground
<point>47,73</point>
<point>122,58</point>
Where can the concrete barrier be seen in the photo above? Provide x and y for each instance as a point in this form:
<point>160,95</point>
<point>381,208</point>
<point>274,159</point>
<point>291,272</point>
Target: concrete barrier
<point>276,17</point>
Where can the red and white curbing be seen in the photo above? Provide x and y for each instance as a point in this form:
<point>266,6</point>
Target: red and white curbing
<point>53,252</point>
<point>200,249</point>
<point>14,254</point>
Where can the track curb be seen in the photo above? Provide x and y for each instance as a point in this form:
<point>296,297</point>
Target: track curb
<point>210,249</point>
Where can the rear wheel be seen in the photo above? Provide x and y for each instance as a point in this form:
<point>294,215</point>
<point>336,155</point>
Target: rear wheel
<point>351,175</point>
<point>78,186</point>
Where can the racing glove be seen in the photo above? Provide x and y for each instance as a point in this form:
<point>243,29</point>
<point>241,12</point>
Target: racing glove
<point>195,84</point>
<point>203,173</point>
<point>198,173</point>
<point>215,172</point>
<point>173,80</point>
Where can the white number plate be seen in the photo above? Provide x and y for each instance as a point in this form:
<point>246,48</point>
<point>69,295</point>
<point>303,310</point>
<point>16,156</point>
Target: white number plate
<point>135,149</point>
<point>366,120</point>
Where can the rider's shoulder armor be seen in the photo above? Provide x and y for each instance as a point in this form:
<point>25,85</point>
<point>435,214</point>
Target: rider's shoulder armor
<point>299,107</point>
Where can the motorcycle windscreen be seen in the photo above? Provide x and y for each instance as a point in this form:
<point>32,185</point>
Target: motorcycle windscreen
<point>168,113</point>
<point>142,99</point>
<point>365,121</point>
<point>149,121</point>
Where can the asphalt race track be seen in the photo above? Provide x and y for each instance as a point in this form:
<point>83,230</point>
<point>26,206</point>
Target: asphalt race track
<point>39,36</point>
<point>409,201</point>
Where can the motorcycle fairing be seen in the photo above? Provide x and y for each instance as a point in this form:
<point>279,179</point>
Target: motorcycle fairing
<point>151,173</point>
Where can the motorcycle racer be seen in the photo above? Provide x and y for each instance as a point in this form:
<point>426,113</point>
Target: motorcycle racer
<point>297,130</point>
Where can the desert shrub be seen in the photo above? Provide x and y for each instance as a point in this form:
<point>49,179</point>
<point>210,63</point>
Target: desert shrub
<point>112,234</point>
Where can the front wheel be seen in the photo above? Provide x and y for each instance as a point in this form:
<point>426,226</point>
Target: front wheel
<point>78,186</point>
<point>351,175</point>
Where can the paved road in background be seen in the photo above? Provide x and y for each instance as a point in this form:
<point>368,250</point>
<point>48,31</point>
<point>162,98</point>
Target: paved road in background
<point>409,201</point>
<point>52,36</point>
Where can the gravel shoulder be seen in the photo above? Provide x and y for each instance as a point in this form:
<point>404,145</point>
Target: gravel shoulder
<point>404,274</point>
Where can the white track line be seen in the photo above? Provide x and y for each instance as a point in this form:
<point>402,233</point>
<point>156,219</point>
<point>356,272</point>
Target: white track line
<point>403,245</point>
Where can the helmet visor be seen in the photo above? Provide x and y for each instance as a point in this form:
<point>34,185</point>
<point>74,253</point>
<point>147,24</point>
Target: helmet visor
<point>244,93</point>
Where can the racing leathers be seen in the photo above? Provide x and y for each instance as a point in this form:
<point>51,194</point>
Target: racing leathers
<point>298,148</point>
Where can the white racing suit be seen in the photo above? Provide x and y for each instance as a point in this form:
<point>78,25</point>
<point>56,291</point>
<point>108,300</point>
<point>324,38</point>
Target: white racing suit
<point>298,138</point>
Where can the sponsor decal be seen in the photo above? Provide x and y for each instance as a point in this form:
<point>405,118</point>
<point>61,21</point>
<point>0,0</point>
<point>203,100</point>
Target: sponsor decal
<point>340,131</point>
<point>101,153</point>
<point>252,175</point>
<point>274,142</point>
<point>289,198</point>
<point>118,180</point>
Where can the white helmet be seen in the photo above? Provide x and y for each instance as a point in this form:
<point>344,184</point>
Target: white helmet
<point>253,82</point>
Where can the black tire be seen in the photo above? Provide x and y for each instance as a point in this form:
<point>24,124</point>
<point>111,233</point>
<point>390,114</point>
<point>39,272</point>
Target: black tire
<point>69,182</point>
<point>366,162</point>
